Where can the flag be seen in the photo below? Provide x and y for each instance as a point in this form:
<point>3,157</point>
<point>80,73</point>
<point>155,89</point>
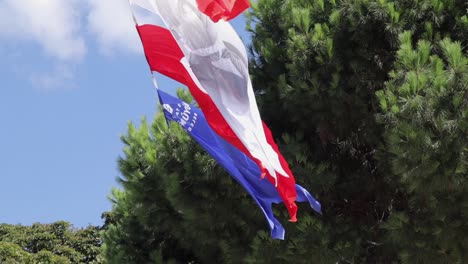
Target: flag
<point>222,9</point>
<point>236,163</point>
<point>212,61</point>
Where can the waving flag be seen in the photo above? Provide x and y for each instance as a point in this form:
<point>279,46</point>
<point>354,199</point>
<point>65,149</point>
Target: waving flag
<point>236,163</point>
<point>222,9</point>
<point>212,61</point>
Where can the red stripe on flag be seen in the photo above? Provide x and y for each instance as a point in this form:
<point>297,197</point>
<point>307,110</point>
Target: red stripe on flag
<point>287,194</point>
<point>222,9</point>
<point>164,56</point>
<point>162,52</point>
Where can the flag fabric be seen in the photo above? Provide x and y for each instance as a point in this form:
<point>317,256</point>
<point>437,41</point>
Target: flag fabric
<point>236,163</point>
<point>222,9</point>
<point>212,61</point>
<point>218,63</point>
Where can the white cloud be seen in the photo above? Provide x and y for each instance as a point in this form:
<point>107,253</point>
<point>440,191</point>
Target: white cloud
<point>54,24</point>
<point>59,78</point>
<point>111,23</point>
<point>61,29</point>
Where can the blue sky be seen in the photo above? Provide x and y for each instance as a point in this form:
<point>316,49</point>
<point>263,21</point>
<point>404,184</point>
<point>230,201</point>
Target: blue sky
<point>72,75</point>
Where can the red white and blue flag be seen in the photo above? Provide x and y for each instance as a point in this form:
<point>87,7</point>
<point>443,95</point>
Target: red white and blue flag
<point>184,42</point>
<point>236,163</point>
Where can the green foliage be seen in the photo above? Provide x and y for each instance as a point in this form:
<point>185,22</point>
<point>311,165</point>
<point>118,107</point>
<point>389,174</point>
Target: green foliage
<point>368,102</point>
<point>335,72</point>
<point>11,253</point>
<point>425,109</point>
<point>47,257</point>
<point>53,243</point>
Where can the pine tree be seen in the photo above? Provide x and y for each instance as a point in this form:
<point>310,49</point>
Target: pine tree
<point>317,66</point>
<point>425,107</point>
<point>138,229</point>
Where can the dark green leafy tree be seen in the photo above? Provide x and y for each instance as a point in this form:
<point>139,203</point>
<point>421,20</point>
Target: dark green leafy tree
<point>56,243</point>
<point>368,102</point>
<point>11,253</point>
